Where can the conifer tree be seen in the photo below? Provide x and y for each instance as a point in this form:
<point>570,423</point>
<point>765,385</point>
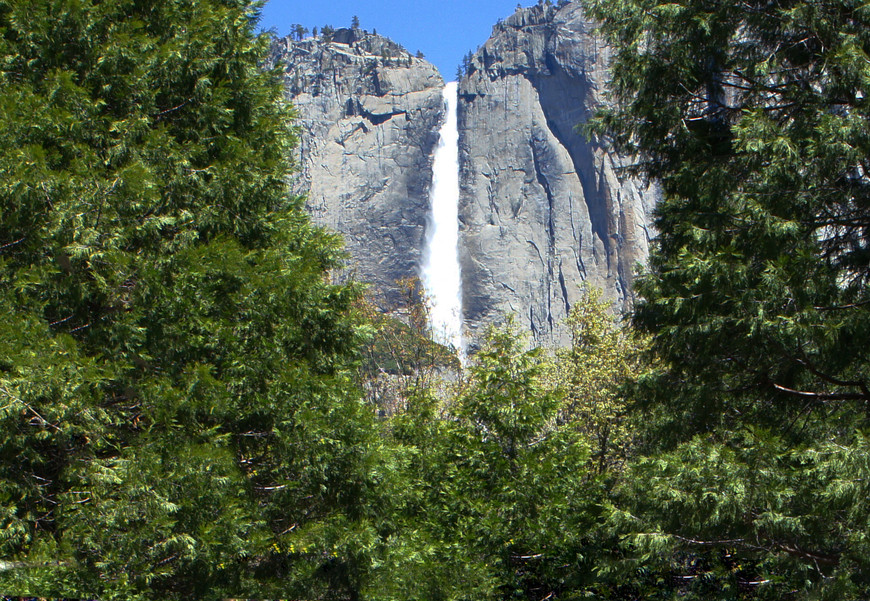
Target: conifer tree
<point>753,117</point>
<point>502,504</point>
<point>177,417</point>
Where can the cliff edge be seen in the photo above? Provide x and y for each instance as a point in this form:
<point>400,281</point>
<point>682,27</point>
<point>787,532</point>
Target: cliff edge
<point>542,208</point>
<point>369,114</point>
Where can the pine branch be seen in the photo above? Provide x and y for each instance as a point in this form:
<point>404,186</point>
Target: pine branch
<point>19,241</point>
<point>823,396</point>
<point>173,109</point>
<point>710,543</point>
<point>843,307</point>
<point>795,551</point>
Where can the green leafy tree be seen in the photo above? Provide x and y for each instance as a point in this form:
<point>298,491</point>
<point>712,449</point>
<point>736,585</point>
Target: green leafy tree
<point>177,407</point>
<point>401,358</point>
<point>526,494</point>
<point>753,118</point>
<point>504,502</point>
<point>595,374</point>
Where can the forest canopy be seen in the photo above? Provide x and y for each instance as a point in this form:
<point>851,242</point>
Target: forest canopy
<point>192,408</point>
<point>175,384</point>
<point>752,115</point>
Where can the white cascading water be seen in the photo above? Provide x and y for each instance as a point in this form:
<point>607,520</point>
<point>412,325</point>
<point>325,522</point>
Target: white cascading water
<point>440,273</point>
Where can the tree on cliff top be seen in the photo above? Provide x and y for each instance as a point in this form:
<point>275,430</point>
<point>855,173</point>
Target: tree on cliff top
<point>175,399</point>
<point>753,117</point>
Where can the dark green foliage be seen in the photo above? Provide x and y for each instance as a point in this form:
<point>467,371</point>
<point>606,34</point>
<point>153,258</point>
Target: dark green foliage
<point>503,502</point>
<point>298,31</point>
<point>467,65</point>
<point>753,117</point>
<point>525,492</point>
<point>175,390</point>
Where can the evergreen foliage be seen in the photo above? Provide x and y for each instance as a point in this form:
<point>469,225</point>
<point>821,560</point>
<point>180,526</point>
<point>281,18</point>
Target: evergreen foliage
<point>183,409</point>
<point>503,506</point>
<point>298,31</point>
<point>753,117</point>
<point>177,407</point>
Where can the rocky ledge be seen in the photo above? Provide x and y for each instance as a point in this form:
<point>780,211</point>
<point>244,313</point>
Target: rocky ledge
<point>369,114</point>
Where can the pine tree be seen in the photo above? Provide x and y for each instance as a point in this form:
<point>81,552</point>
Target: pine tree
<point>502,502</point>
<point>298,31</point>
<point>176,400</point>
<point>753,117</point>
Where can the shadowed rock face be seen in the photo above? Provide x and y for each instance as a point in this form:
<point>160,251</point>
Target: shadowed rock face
<point>542,208</point>
<point>369,114</point>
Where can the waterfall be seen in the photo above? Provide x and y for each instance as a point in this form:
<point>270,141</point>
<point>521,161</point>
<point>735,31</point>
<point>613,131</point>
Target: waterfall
<point>440,272</point>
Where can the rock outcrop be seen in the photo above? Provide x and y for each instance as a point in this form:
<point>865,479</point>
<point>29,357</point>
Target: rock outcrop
<point>369,114</point>
<point>542,208</point>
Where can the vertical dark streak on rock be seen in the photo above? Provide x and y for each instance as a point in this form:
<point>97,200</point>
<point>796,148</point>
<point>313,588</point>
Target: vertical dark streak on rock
<point>540,256</point>
<point>551,228</point>
<point>542,180</point>
<point>556,90</point>
<point>532,325</point>
<point>376,83</point>
<point>581,266</point>
<point>564,288</point>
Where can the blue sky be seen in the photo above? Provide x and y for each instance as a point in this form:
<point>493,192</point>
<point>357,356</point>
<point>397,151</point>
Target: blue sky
<point>444,30</point>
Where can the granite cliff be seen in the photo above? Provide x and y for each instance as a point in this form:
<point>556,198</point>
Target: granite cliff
<point>542,208</point>
<point>369,114</point>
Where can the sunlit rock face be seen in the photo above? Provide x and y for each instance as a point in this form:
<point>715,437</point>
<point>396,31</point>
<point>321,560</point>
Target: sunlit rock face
<point>542,208</point>
<point>369,114</point>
